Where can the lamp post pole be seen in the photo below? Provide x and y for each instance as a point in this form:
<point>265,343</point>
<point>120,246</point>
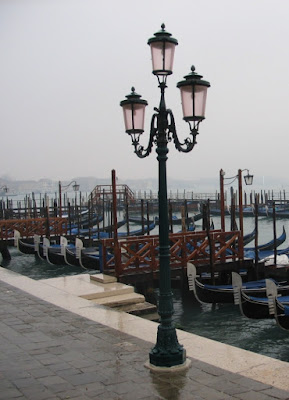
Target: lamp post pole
<point>248,181</point>
<point>60,186</point>
<point>241,241</point>
<point>167,351</point>
<point>60,199</point>
<point>222,200</point>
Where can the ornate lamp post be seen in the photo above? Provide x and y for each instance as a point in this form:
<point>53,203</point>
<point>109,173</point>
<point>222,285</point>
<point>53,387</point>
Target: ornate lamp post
<point>248,181</point>
<point>167,352</point>
<point>75,187</point>
<point>5,188</point>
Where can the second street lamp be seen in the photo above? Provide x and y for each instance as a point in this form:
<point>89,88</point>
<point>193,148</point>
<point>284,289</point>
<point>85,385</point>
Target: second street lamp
<point>248,181</point>
<point>167,352</point>
<point>4,188</point>
<point>75,187</point>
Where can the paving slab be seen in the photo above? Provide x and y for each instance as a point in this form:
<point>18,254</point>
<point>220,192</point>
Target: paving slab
<point>87,351</point>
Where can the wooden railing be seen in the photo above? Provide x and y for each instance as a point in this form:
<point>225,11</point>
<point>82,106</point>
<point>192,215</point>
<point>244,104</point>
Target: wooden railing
<point>106,191</point>
<point>140,254</point>
<point>29,227</point>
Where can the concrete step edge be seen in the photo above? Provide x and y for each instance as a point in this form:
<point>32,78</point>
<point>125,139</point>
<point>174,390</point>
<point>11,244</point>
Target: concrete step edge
<point>109,293</point>
<point>116,301</point>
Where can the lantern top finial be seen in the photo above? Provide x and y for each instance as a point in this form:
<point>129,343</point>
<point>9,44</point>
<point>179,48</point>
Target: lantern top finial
<point>133,97</point>
<point>193,78</point>
<point>163,36</point>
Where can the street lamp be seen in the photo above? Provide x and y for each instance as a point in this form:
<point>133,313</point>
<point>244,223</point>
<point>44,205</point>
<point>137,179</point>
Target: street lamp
<point>167,352</point>
<point>75,187</point>
<point>248,181</point>
<point>5,188</point>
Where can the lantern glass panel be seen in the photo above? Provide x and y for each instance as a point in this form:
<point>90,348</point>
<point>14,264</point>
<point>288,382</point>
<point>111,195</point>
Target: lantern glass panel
<point>248,179</point>
<point>200,100</point>
<point>194,110</point>
<point>162,57</point>
<point>134,116</point>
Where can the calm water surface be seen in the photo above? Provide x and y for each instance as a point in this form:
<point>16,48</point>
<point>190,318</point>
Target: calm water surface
<point>223,323</point>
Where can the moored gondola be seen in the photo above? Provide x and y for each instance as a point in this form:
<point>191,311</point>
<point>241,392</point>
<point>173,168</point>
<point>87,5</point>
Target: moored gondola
<point>24,246</point>
<point>259,307</point>
<point>206,293</point>
<point>89,258</point>
<point>178,221</point>
<point>279,308</point>
<point>271,244</point>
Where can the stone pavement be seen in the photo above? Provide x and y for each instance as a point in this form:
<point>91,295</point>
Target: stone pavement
<point>48,353</point>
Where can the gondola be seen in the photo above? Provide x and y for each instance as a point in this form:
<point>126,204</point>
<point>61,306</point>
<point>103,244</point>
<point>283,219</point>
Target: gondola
<point>178,221</point>
<point>49,253</point>
<point>249,237</point>
<point>87,258</point>
<point>55,254</point>
<point>24,246</point>
<point>279,309</point>
<point>139,220</point>
<point>267,256</point>
<point>246,239</point>
<point>72,254</point>
<point>90,258</point>
<point>135,232</point>
<point>103,233</point>
<point>205,293</point>
<point>70,257</point>
<point>217,211</point>
<point>138,232</point>
<point>52,253</point>
<point>94,230</point>
<point>258,307</point>
<point>86,222</point>
<point>270,245</point>
<point>281,314</point>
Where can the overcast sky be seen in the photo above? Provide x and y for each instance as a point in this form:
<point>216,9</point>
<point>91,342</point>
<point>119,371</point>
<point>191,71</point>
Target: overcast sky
<point>66,65</point>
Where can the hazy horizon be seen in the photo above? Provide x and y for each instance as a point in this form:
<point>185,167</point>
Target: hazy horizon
<point>197,185</point>
<point>67,64</point>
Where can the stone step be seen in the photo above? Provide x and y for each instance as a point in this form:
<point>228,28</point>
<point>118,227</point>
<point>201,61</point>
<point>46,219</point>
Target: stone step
<point>120,300</point>
<point>108,290</point>
<point>138,309</point>
<point>82,286</point>
<point>102,278</point>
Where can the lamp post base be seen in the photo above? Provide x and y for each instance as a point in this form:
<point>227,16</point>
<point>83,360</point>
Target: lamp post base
<point>171,370</point>
<point>167,351</point>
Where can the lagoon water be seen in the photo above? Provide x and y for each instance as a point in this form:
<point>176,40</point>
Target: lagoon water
<point>222,322</point>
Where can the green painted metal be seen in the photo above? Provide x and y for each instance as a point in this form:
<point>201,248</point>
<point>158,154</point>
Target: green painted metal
<point>167,351</point>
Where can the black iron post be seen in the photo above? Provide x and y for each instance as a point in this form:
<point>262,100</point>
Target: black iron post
<point>167,351</point>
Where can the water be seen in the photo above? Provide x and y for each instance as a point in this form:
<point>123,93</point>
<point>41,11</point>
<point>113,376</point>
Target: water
<point>265,227</point>
<point>222,322</point>
<point>35,268</point>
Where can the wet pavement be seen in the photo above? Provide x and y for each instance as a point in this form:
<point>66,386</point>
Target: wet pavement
<point>49,352</point>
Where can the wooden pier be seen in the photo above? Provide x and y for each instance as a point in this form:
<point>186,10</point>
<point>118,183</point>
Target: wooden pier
<point>135,256</point>
<point>51,226</point>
